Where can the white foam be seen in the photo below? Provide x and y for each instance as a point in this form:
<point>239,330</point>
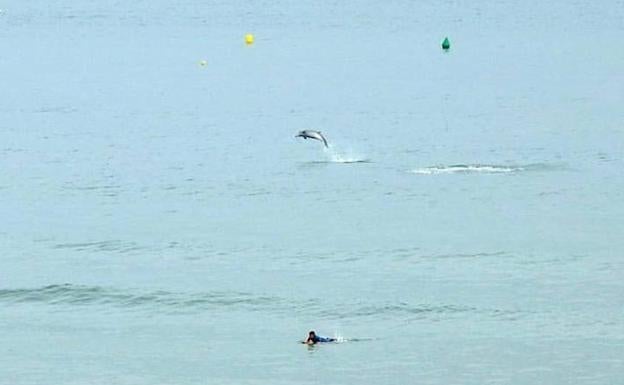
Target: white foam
<point>466,169</point>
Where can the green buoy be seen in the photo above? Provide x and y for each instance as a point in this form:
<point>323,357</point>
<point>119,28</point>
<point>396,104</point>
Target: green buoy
<point>446,44</point>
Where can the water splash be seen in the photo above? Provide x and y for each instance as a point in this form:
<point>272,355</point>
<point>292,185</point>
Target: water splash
<point>335,156</point>
<point>339,338</point>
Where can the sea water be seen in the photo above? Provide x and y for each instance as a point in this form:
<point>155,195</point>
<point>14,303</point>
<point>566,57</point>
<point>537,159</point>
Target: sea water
<point>160,223</point>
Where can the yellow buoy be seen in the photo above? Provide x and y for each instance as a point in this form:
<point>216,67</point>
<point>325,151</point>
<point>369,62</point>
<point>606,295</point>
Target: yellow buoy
<point>249,38</point>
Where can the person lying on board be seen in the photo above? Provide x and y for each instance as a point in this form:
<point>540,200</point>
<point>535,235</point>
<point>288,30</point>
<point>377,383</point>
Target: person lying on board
<point>314,339</point>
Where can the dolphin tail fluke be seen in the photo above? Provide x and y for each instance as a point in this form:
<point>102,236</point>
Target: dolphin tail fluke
<point>324,140</point>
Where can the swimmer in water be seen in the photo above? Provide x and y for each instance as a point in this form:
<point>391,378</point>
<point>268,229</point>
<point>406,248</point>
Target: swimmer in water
<point>314,339</point>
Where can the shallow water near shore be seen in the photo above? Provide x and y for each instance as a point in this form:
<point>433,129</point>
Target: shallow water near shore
<point>162,225</point>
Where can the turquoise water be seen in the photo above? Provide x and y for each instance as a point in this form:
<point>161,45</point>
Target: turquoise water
<point>162,225</point>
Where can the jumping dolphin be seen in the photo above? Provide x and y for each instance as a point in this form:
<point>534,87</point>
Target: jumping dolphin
<point>312,134</point>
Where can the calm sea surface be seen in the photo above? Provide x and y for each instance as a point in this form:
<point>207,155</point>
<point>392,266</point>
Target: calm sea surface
<point>160,224</point>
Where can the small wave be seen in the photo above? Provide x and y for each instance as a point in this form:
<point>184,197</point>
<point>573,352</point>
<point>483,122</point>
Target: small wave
<point>467,169</point>
<point>412,312</point>
<point>488,168</point>
<point>107,190</point>
<point>70,296</point>
<point>102,246</point>
<point>390,311</point>
<point>55,109</point>
<point>465,255</point>
<point>92,187</point>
